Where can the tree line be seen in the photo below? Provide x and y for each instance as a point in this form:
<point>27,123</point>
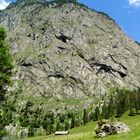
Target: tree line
<point>115,105</point>
<point>119,101</point>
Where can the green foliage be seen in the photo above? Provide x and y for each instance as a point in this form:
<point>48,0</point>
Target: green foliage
<point>132,112</point>
<point>73,121</point>
<point>49,128</point>
<point>85,117</point>
<point>96,115</point>
<point>58,126</point>
<point>62,118</point>
<point>86,132</point>
<point>2,132</point>
<point>5,65</point>
<point>31,132</point>
<point>6,117</point>
<point>115,105</point>
<point>5,80</point>
<point>2,34</point>
<point>122,101</point>
<point>67,125</point>
<point>105,111</point>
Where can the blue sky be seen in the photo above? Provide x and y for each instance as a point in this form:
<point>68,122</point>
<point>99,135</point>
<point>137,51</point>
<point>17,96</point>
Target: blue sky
<point>125,12</point>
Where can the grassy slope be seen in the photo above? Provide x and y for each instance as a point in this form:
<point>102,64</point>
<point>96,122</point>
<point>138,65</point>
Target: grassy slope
<point>86,132</point>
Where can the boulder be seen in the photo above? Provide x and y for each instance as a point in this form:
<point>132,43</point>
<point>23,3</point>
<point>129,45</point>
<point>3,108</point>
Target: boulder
<point>119,127</point>
<point>105,128</point>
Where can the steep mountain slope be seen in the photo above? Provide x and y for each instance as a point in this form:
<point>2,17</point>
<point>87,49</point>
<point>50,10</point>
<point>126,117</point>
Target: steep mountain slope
<point>68,52</point>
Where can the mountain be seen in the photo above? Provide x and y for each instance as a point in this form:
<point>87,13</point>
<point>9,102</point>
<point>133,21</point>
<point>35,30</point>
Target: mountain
<point>68,55</point>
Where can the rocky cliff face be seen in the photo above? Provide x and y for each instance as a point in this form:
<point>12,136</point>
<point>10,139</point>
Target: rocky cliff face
<point>68,52</point>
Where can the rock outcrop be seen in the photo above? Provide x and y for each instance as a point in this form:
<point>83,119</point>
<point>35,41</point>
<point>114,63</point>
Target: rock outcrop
<point>68,51</point>
<point>105,128</point>
<point>16,131</point>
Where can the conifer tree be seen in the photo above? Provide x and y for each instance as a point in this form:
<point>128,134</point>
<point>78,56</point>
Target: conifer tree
<point>97,115</point>
<point>5,65</point>
<point>73,121</point>
<point>58,126</point>
<point>5,76</point>
<point>67,125</point>
<point>85,117</point>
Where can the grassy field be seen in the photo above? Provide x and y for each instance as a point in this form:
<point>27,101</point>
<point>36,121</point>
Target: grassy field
<point>87,132</point>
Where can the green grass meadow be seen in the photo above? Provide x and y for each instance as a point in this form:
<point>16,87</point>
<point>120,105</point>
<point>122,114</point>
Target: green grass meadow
<point>87,132</point>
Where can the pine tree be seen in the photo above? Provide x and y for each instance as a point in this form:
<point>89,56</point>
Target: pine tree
<point>111,107</point>
<point>105,112</point>
<point>5,76</point>
<point>97,115</point>
<point>73,121</point>
<point>62,118</point>
<point>85,117</point>
<point>136,101</point>
<point>67,125</point>
<point>58,126</point>
<point>5,65</point>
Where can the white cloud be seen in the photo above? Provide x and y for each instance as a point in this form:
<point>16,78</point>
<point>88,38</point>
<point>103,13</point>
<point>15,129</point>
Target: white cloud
<point>3,4</point>
<point>135,3</point>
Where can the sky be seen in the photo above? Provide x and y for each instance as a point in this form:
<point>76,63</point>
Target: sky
<point>125,12</point>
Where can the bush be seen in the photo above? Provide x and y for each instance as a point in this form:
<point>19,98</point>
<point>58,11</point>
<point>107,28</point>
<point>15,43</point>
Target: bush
<point>67,125</point>
<point>31,132</point>
<point>2,132</point>
<point>132,112</point>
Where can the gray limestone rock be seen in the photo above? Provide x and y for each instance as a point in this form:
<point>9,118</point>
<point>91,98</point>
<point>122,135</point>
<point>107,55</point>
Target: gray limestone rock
<point>69,52</point>
<point>105,128</point>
